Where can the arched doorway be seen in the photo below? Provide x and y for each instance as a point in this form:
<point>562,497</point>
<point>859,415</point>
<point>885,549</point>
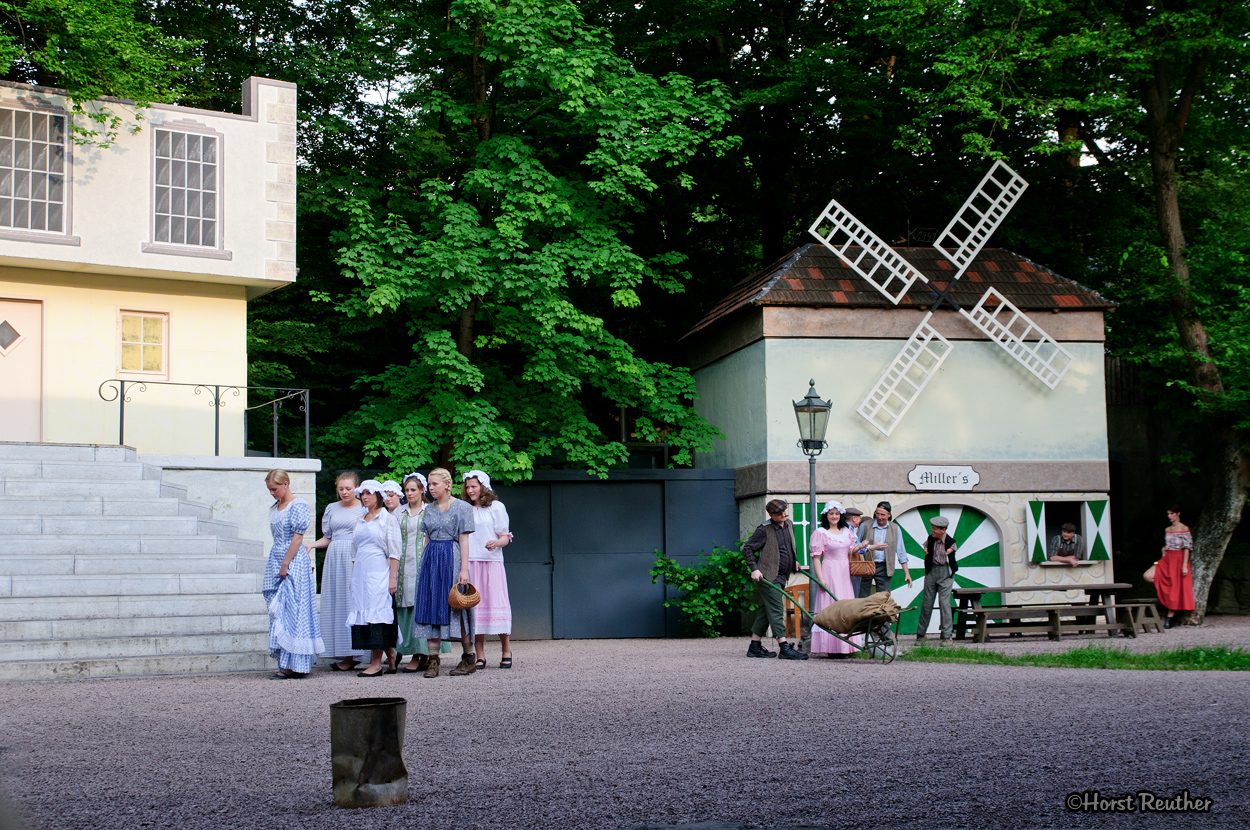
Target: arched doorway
<point>979,556</point>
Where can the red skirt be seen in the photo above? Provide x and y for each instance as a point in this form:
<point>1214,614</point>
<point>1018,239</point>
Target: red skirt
<point>1176,592</point>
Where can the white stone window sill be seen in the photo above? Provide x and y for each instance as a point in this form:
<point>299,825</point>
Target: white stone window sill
<point>48,238</point>
<point>185,250</point>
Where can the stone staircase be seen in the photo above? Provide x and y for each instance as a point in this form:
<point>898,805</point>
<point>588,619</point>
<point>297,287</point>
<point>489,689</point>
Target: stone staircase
<point>107,571</point>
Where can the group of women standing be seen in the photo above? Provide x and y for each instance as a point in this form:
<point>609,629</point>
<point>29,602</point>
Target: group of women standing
<point>393,557</point>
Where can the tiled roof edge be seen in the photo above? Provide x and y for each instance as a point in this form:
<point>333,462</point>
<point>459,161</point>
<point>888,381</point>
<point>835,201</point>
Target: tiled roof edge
<point>779,273</point>
<point>1110,303</point>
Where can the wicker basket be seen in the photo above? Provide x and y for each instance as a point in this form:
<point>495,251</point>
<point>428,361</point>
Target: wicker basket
<point>463,596</point>
<point>862,567</point>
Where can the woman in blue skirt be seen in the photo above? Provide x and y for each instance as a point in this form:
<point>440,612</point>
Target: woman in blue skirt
<point>289,586</point>
<point>447,524</point>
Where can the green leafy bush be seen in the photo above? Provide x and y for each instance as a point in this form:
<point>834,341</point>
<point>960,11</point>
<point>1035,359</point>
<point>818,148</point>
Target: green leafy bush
<point>713,586</point>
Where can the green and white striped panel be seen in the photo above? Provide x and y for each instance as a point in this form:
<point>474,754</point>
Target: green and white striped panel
<point>803,529</point>
<point>979,556</point>
<point>1098,530</point>
<point>1035,532</point>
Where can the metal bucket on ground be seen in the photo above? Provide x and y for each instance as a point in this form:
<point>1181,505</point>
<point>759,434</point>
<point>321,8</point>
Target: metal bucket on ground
<point>367,751</point>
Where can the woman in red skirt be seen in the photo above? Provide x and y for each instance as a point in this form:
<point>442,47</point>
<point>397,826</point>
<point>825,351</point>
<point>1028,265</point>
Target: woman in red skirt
<point>1173,579</point>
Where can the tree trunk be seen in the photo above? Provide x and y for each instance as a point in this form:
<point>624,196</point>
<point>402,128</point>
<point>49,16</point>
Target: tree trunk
<point>1230,473</point>
<point>1165,127</point>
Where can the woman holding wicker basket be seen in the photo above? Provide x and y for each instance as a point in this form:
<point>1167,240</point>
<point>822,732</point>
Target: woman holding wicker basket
<point>830,549</point>
<point>447,524</point>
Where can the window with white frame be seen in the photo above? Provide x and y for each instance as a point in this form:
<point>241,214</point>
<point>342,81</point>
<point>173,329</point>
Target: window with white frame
<point>187,187</point>
<point>144,341</point>
<point>32,171</point>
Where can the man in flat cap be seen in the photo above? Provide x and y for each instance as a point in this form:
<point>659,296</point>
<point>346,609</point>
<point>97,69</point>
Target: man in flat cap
<point>939,576</point>
<point>883,545</point>
<point>773,541</point>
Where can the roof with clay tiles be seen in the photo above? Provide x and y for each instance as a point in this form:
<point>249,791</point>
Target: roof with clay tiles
<point>813,276</point>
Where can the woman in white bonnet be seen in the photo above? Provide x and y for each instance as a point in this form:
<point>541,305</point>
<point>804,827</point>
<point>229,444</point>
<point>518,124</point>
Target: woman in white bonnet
<point>493,615</point>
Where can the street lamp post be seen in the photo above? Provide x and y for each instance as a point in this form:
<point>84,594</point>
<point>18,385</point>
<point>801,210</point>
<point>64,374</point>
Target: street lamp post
<point>813,416</point>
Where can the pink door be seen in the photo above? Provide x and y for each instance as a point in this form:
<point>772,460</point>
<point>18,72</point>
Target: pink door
<point>21,370</point>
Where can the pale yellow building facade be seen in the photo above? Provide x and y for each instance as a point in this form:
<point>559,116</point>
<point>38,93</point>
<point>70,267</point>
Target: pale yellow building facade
<point>135,263</point>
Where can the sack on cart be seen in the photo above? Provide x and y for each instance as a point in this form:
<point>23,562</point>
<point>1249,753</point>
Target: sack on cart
<point>844,615</point>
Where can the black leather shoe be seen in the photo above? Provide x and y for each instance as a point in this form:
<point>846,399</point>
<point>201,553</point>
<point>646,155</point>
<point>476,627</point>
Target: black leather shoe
<point>757,650</point>
<point>789,652</point>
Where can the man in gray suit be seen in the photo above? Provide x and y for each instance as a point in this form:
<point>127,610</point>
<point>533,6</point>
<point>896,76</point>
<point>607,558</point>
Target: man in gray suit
<point>884,545</point>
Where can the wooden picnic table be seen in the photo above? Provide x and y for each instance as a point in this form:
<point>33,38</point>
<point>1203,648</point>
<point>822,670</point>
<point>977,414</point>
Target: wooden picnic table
<point>1042,618</point>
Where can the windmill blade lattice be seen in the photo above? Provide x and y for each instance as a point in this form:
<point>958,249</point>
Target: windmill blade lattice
<point>980,216</point>
<point>877,262</point>
<point>1020,337</point>
<point>906,377</point>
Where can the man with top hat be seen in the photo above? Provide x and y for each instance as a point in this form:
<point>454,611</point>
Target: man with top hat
<point>939,577</point>
<point>770,556</point>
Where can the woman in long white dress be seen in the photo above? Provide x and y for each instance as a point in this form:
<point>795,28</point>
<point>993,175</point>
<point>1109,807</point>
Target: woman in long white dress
<point>372,613</point>
<point>493,615</point>
<point>337,524</point>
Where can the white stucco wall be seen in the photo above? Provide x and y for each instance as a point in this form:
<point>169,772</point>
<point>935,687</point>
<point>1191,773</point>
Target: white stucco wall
<point>235,488</point>
<point>732,398</point>
<point>981,404</point>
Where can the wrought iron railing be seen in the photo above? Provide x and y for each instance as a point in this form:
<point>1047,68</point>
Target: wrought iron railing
<point>116,389</point>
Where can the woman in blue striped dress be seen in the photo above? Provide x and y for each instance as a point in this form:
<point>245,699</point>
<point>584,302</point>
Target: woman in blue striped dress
<point>289,586</point>
<point>336,572</point>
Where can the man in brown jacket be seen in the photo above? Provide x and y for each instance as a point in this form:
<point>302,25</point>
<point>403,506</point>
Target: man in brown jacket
<point>769,554</point>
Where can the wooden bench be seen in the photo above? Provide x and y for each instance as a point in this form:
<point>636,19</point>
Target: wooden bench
<point>1144,613</point>
<point>1054,620</point>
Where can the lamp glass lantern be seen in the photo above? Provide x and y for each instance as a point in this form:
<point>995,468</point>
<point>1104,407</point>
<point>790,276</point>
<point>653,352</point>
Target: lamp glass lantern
<point>813,417</point>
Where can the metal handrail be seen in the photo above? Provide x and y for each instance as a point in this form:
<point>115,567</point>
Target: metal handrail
<point>117,389</point>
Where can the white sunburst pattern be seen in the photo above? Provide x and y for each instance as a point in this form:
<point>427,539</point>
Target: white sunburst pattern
<point>979,556</point>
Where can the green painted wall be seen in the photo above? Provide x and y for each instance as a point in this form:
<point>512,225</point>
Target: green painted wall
<point>981,405</point>
<point>732,397</point>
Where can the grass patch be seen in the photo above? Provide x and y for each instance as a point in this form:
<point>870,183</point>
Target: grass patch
<point>1200,658</point>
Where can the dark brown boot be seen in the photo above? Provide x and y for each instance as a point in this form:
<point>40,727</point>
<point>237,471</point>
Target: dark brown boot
<point>431,670</point>
<point>468,665</point>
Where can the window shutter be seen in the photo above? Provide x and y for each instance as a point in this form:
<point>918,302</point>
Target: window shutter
<point>803,529</point>
<point>1097,528</point>
<point>1036,518</point>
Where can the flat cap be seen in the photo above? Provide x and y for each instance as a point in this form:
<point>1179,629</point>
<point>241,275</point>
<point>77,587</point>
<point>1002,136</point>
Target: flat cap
<point>940,521</point>
<point>854,511</point>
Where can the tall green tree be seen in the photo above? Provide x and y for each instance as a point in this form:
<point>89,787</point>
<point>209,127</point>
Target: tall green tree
<point>520,145</point>
<point>93,50</point>
<point>1124,81</point>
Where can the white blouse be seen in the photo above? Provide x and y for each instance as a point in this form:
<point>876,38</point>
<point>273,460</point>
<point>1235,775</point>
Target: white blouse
<point>491,523</point>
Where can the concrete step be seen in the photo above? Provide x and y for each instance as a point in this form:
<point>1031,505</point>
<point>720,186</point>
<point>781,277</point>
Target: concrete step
<point>70,505</point>
<point>128,606</point>
<point>134,626</point>
<point>92,563</point>
<point>120,545</point>
<point>96,526</point>
<point>47,488</point>
<point>78,470</point>
<point>95,648</point>
<point>138,666</point>
<point>17,451</point>
<point>91,585</point>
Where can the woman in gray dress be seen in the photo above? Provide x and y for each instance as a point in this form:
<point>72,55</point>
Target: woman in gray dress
<point>447,524</point>
<point>412,541</point>
<point>337,524</point>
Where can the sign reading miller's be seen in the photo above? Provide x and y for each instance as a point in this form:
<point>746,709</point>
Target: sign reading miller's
<point>932,477</point>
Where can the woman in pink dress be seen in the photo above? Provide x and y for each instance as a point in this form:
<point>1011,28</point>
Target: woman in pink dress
<point>830,546</point>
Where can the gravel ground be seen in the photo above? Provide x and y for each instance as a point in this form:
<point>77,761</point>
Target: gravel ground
<point>647,733</point>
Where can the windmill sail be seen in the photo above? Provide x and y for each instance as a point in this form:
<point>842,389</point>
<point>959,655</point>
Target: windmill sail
<point>906,377</point>
<point>980,216</point>
<point>875,261</point>
<point>1020,337</point>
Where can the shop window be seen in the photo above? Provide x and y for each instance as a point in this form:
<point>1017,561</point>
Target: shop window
<point>1092,519</point>
<point>144,343</point>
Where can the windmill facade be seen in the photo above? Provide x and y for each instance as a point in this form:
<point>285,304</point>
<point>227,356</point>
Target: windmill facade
<point>812,315</point>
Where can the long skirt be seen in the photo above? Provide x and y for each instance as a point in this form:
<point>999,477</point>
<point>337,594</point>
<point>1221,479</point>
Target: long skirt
<point>432,617</point>
<point>493,615</point>
<point>413,644</point>
<point>294,629</point>
<point>838,578</point>
<point>374,635</point>
<point>336,580</point>
<point>1176,592</point>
